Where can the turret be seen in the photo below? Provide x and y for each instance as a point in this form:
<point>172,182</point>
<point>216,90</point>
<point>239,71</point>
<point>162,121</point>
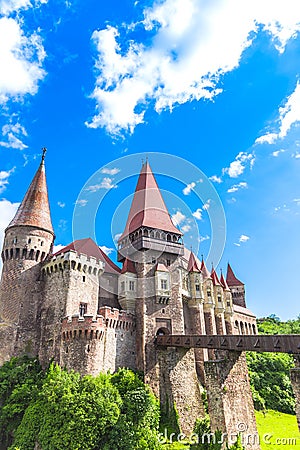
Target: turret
<point>237,288</point>
<point>27,243</point>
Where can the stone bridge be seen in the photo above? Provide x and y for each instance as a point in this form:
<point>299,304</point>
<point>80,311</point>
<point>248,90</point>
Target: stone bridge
<point>218,373</point>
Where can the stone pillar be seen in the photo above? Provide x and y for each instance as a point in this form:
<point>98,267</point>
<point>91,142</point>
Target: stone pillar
<point>179,389</point>
<point>210,325</point>
<point>201,354</point>
<point>220,324</point>
<point>295,379</point>
<point>230,401</point>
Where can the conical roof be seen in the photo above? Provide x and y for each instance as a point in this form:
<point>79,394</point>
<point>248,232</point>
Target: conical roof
<point>231,278</point>
<point>224,283</point>
<point>148,208</point>
<point>193,265</point>
<point>34,210</point>
<point>128,266</point>
<point>204,270</point>
<point>215,278</point>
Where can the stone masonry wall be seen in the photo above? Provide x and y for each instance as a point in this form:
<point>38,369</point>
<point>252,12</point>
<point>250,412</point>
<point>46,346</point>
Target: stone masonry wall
<point>230,401</point>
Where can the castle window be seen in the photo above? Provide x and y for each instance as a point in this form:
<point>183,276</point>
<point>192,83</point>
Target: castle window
<point>219,298</point>
<point>29,241</point>
<point>42,243</point>
<point>122,286</point>
<point>153,261</point>
<point>163,284</point>
<point>228,303</point>
<point>83,278</point>
<point>131,285</point>
<point>197,287</point>
<point>82,309</point>
<point>208,293</point>
<point>15,241</point>
<point>168,262</point>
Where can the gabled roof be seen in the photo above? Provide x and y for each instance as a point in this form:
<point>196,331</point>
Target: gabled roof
<point>204,270</point>
<point>148,208</point>
<point>34,210</point>
<point>231,278</point>
<point>224,283</point>
<point>88,247</point>
<point>215,278</point>
<point>193,265</point>
<point>128,266</point>
<point>161,268</point>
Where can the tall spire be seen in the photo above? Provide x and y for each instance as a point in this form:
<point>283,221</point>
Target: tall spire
<point>231,278</point>
<point>148,208</point>
<point>204,270</point>
<point>34,210</point>
<point>193,265</point>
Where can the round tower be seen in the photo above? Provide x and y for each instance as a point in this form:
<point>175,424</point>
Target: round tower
<point>28,242</point>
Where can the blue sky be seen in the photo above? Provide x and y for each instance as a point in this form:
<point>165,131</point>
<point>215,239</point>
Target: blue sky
<point>215,83</point>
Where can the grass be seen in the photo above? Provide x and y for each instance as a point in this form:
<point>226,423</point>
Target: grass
<point>277,430</point>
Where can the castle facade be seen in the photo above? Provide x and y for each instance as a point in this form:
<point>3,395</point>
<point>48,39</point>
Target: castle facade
<point>78,308</point>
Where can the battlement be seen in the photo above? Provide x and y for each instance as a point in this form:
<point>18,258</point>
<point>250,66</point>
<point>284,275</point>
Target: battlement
<point>71,260</point>
<point>88,327</point>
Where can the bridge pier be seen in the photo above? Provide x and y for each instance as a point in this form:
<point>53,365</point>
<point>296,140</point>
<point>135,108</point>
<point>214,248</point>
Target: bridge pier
<point>295,379</point>
<point>230,401</point>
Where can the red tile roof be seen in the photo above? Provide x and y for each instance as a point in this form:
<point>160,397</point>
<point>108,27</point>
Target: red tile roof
<point>224,282</point>
<point>148,208</point>
<point>34,210</point>
<point>161,267</point>
<point>88,247</point>
<point>128,266</point>
<point>231,278</point>
<point>204,270</point>
<point>215,278</point>
<point>193,265</point>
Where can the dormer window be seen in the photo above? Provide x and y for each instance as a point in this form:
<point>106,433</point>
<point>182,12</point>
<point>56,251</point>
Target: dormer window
<point>131,285</point>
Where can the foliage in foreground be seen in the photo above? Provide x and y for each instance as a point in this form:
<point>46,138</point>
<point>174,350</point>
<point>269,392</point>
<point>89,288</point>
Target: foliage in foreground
<point>270,372</point>
<point>61,409</point>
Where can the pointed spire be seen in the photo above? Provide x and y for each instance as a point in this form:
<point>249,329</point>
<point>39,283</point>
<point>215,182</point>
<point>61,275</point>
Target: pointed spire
<point>148,208</point>
<point>193,265</point>
<point>224,282</point>
<point>34,210</point>
<point>204,270</point>
<point>215,278</point>
<point>231,278</point>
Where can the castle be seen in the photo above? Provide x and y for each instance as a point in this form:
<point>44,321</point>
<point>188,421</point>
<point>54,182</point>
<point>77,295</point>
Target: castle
<point>78,308</point>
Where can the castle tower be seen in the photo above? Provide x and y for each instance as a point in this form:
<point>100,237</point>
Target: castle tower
<point>28,242</point>
<point>228,305</point>
<point>154,245</point>
<point>219,303</point>
<point>237,288</point>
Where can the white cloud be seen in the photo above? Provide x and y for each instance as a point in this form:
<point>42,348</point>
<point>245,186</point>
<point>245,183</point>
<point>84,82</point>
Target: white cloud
<point>204,238</point>
<point>21,55</point>
<point>9,6</point>
<point>289,114</point>
<point>58,247</point>
<point>296,155</point>
<point>13,133</point>
<point>106,183</point>
<point>191,44</point>
<point>206,205</point>
<point>216,179</point>
<point>7,212</point>
<point>113,171</point>
<point>4,176</point>
<point>117,236</point>
<point>81,202</point>
<point>197,214</point>
<point>178,218</point>
<point>244,238</point>
<point>277,153</point>
<point>106,250</point>
<point>237,187</point>
<point>187,190</point>
<point>61,204</point>
<point>237,167</point>
<point>185,228</point>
